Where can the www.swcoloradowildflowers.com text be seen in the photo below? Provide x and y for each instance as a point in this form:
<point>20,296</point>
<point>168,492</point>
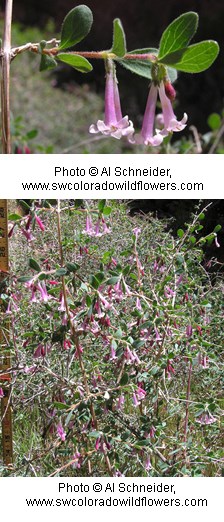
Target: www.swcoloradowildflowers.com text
<point>134,186</point>
<point>118,502</point>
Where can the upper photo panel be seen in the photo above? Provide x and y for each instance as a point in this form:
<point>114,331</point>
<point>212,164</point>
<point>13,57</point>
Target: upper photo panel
<point>121,77</point>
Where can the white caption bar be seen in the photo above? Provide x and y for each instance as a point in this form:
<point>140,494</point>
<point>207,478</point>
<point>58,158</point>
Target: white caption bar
<point>173,499</point>
<point>112,176</point>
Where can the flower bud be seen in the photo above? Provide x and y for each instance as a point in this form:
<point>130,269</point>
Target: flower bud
<point>170,91</point>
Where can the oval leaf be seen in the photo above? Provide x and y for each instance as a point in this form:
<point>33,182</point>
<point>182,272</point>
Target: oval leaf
<point>34,265</point>
<point>140,67</point>
<point>214,121</point>
<point>178,34</point>
<point>193,59</point>
<point>119,41</point>
<point>78,62</point>
<point>14,217</point>
<point>76,26</point>
<point>24,279</point>
<point>61,272</point>
<point>72,267</point>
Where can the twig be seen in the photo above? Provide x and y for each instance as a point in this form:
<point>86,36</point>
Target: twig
<point>194,131</point>
<point>218,138</point>
<point>5,80</point>
<point>187,408</point>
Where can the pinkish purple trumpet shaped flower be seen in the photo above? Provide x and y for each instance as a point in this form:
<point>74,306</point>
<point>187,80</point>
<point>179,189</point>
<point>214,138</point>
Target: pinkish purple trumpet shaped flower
<point>114,124</point>
<point>151,135</point>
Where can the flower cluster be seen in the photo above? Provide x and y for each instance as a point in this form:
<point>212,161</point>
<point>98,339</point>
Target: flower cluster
<point>117,126</point>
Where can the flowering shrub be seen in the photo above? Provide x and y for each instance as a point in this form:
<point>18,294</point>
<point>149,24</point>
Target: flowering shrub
<point>160,66</point>
<point>116,344</point>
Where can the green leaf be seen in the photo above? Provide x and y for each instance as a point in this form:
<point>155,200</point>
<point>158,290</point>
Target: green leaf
<point>60,405</point>
<point>193,59</point>
<point>88,300</point>
<point>76,26</point>
<point>214,121</point>
<point>60,272</point>
<point>107,211</point>
<point>172,74</point>
<point>138,344</point>
<point>24,279</point>
<point>180,232</point>
<point>72,267</point>
<point>142,443</point>
<point>31,134</point>
<point>218,228</point>
<point>68,418</point>
<point>14,217</point>
<point>79,63</point>
<point>100,276</point>
<point>119,41</point>
<point>118,334</point>
<point>24,204</point>
<point>95,434</point>
<point>112,280</point>
<point>140,67</point>
<point>178,34</point>
<point>94,282</point>
<point>124,379</point>
<point>101,204</point>
<point>34,265</point>
<point>47,62</point>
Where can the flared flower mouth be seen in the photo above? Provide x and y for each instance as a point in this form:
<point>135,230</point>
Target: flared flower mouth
<point>117,130</point>
<point>171,124</point>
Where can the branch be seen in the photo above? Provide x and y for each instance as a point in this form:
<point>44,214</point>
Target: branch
<point>5,80</point>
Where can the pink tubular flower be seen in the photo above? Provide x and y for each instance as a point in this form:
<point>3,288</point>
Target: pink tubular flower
<point>91,230</point>
<point>158,336</point>
<point>61,432</point>
<point>120,402</point>
<point>137,231</point>
<point>62,307</point>
<point>77,460</point>
<point>138,304</point>
<point>89,226</point>
<point>140,393</point>
<point>169,369</point>
<point>43,291</point>
<point>114,124</point>
<point>168,292</point>
<point>203,360</point>
<point>112,353</point>
<point>67,344</point>
<point>189,330</point>
<point>154,136</point>
<point>41,351</point>
<point>1,393</point>
<point>28,234</point>
<point>39,222</point>
<point>206,418</point>
<point>171,124</point>
<point>147,464</point>
<point>136,402</point>
<point>148,137</point>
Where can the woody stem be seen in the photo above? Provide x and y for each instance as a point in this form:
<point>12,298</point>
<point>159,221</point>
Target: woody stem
<point>5,79</point>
